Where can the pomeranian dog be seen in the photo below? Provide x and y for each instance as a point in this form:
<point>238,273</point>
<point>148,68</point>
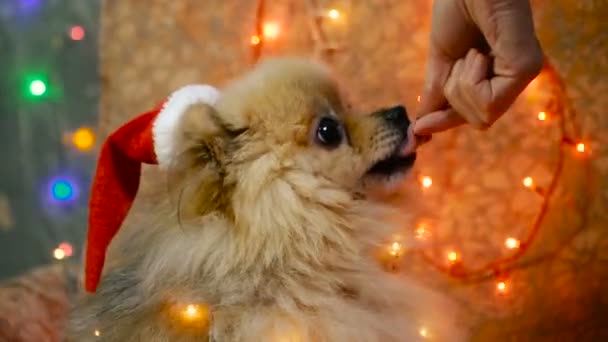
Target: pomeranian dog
<point>270,229</point>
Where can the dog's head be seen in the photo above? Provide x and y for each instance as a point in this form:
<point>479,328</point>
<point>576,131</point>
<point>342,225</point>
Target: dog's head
<point>284,128</point>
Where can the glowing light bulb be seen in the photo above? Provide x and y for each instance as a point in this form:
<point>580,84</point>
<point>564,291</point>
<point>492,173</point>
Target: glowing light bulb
<point>62,190</point>
<point>501,287</point>
<point>84,139</point>
<point>453,256</point>
<point>528,182</point>
<point>333,13</point>
<point>37,88</point>
<point>270,30</point>
<point>96,333</point>
<point>58,254</point>
<point>77,33</point>
<point>423,331</point>
<point>512,243</point>
<point>67,249</point>
<point>422,231</point>
<point>426,181</point>
<point>395,249</point>
<point>418,98</point>
<point>194,314</point>
<point>542,116</point>
<point>191,311</point>
<point>580,147</point>
<point>255,40</point>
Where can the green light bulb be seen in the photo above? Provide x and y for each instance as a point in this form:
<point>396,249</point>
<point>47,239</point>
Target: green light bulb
<point>37,88</point>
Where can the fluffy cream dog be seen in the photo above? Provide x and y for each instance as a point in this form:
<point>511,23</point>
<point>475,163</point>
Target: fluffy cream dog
<point>272,235</point>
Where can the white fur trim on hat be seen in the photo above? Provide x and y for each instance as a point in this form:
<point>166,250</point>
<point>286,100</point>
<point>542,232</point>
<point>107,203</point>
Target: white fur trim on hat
<point>168,117</point>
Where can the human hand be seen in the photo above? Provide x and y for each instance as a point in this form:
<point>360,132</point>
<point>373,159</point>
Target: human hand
<point>483,53</point>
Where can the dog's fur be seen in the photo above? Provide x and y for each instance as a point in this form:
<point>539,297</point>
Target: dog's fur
<point>271,231</point>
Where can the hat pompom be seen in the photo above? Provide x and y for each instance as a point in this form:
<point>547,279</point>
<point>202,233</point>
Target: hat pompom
<point>168,118</point>
<point>149,138</point>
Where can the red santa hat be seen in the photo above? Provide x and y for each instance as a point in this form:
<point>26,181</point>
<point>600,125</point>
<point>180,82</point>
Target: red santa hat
<point>146,139</point>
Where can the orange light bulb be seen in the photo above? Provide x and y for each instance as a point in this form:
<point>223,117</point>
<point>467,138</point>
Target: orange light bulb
<point>395,249</point>
<point>84,139</point>
<point>270,30</point>
<point>426,181</point>
<point>333,13</point>
<point>528,182</point>
<point>453,256</point>
<point>512,243</point>
<point>580,147</point>
<point>422,231</point>
<point>542,116</point>
<point>501,287</point>
<point>255,40</point>
<point>191,311</point>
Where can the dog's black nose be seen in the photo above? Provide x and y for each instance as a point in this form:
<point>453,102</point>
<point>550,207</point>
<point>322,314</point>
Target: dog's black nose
<point>397,116</point>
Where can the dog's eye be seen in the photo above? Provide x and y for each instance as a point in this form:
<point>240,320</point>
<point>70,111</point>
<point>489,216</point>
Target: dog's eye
<point>329,132</point>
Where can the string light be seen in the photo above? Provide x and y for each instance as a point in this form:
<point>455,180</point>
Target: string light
<point>64,250</point>
<point>580,147</point>
<point>37,88</point>
<point>418,98</point>
<point>512,243</point>
<point>423,331</point>
<point>453,256</point>
<point>494,267</point>
<point>255,40</point>
<point>270,30</point>
<point>501,287</point>
<point>426,181</point>
<point>395,249</point>
<point>96,333</point>
<point>190,315</point>
<point>195,313</point>
<point>333,13</point>
<point>528,182</point>
<point>191,311</point>
<point>58,254</point>
<point>542,116</point>
<point>84,139</point>
<point>77,33</point>
<point>62,190</point>
<point>422,231</point>
<point>67,249</point>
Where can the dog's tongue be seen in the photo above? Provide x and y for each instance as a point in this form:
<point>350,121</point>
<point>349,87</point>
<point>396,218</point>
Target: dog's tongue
<point>413,141</point>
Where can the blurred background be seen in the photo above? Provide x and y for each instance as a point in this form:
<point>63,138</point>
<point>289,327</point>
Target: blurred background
<point>515,225</point>
<point>49,96</point>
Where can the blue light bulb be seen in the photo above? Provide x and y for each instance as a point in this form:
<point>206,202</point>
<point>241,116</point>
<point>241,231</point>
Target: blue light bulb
<point>62,190</point>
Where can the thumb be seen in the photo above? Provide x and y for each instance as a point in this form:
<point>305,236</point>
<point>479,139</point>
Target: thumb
<point>437,72</point>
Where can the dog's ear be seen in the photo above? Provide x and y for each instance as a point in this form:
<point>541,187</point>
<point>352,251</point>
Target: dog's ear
<point>197,175</point>
<point>200,137</point>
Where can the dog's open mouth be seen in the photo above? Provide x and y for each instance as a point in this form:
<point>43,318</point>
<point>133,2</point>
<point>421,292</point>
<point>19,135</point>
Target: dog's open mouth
<point>401,159</point>
<point>392,165</point>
